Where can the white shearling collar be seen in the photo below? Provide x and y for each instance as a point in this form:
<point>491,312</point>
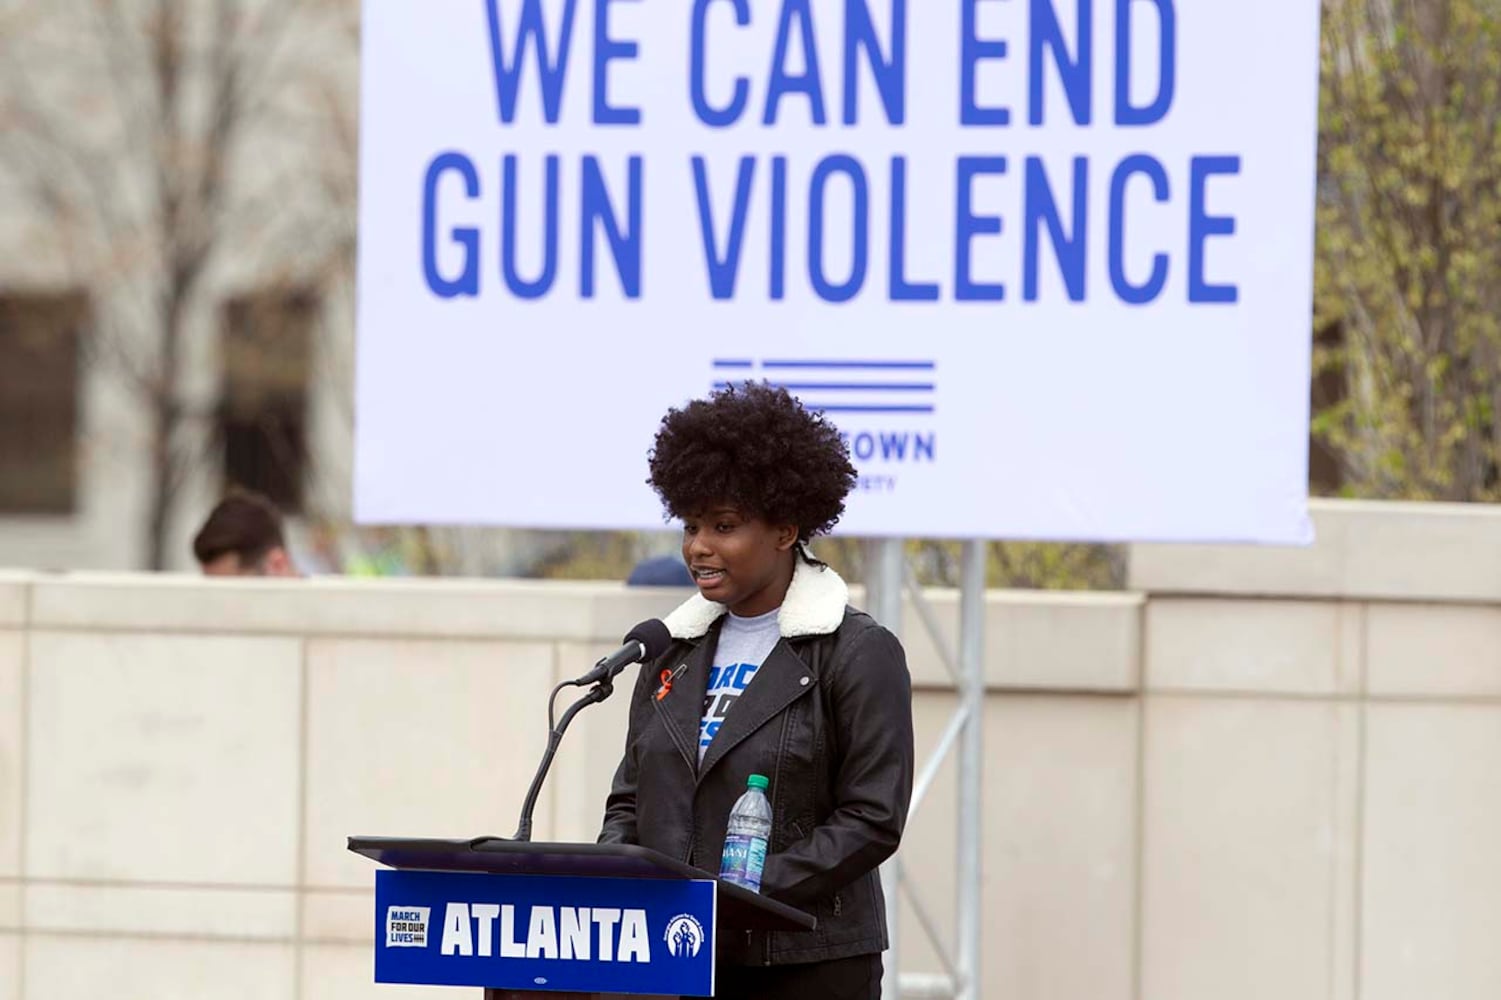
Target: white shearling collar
<point>814,605</point>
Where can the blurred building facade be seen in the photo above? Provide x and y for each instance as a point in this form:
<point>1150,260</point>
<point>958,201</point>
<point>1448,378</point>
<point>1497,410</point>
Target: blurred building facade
<point>177,209</point>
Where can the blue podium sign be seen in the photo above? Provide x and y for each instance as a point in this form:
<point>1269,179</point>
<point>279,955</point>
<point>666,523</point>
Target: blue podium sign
<point>548,933</point>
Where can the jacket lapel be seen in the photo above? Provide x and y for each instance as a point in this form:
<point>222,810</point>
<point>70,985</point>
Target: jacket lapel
<point>682,709</point>
<point>782,679</point>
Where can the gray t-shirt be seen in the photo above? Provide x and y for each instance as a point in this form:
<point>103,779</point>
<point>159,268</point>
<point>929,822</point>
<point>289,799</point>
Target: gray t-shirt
<point>744,644</point>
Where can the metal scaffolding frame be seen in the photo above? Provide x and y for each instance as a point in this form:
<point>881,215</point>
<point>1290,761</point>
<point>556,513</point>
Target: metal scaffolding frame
<point>887,579</point>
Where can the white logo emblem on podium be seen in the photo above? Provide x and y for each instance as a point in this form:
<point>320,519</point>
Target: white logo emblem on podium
<point>685,936</point>
<point>406,926</point>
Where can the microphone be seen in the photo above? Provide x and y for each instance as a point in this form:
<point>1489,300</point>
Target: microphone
<point>646,641</point>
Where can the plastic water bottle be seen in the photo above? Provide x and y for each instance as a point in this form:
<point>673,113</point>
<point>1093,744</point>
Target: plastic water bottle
<point>749,831</point>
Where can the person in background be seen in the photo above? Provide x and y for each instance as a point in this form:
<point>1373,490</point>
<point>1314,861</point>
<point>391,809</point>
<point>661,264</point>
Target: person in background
<point>770,673</point>
<point>660,571</point>
<point>243,537</point>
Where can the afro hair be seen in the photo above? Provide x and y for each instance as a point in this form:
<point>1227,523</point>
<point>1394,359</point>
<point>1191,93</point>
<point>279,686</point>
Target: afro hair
<point>755,447</point>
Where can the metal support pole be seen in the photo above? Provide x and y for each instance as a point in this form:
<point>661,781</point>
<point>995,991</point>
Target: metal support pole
<point>885,573</point>
<point>968,860</point>
<point>891,886</point>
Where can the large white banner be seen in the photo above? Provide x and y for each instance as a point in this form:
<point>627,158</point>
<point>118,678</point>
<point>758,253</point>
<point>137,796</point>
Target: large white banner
<point>1047,263</point>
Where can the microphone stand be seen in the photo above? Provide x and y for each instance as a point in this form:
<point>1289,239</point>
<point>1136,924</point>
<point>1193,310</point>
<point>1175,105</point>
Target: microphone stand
<point>598,693</point>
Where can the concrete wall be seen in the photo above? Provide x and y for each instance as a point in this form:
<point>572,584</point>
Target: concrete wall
<point>1261,774</point>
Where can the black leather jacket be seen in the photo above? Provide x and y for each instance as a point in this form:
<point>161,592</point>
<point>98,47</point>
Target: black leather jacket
<point>828,718</point>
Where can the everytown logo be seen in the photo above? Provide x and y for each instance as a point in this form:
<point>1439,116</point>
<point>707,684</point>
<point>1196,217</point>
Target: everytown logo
<point>898,397</point>
<point>562,933</point>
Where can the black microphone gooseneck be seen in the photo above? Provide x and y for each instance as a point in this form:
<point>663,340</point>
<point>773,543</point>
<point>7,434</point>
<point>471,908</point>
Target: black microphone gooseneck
<point>645,642</point>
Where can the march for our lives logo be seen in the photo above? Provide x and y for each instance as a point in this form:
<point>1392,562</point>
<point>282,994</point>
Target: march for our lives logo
<point>406,926</point>
<point>685,936</point>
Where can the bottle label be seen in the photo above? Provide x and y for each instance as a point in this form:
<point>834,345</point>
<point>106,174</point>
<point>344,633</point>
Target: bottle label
<point>755,862</point>
<point>743,859</point>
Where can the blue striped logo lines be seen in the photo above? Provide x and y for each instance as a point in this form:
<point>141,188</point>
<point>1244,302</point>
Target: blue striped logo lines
<point>862,385</point>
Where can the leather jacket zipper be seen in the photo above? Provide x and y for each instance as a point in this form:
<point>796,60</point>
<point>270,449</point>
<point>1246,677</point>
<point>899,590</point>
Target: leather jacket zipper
<point>672,734</point>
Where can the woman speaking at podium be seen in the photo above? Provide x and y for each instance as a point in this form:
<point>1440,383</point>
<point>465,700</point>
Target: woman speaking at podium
<point>770,673</point>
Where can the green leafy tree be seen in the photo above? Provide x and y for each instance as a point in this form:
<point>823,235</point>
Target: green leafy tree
<point>1408,275</point>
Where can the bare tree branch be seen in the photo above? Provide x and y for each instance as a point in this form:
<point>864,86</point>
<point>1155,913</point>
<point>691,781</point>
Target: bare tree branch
<point>143,190</point>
